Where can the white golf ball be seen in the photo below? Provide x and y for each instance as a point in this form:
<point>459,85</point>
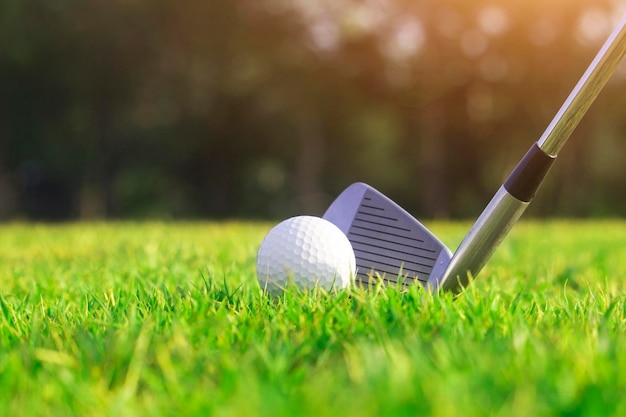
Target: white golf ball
<point>308,251</point>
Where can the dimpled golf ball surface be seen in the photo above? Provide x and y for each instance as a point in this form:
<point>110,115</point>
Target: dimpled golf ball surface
<point>310,251</point>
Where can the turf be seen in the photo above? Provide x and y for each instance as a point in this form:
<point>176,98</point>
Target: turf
<point>168,320</point>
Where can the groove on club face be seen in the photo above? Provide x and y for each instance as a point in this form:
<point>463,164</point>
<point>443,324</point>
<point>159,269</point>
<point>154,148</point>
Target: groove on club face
<point>387,241</point>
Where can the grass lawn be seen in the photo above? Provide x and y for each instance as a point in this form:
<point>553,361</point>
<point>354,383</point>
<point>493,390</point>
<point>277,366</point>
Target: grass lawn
<point>151,319</point>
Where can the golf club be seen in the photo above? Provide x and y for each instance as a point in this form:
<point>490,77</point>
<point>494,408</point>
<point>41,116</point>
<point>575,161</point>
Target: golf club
<point>391,243</point>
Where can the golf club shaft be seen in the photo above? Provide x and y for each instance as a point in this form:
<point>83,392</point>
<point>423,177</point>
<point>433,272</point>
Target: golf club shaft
<point>585,92</point>
<point>511,200</point>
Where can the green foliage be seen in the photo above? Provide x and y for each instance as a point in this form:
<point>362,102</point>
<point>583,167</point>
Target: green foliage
<point>181,109</point>
<point>167,319</point>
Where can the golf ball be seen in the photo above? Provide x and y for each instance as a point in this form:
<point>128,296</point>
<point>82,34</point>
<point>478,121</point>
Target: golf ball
<point>306,251</point>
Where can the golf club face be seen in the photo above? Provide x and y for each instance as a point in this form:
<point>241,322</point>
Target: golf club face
<point>388,242</point>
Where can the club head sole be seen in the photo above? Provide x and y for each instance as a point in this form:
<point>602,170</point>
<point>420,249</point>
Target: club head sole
<point>388,242</point>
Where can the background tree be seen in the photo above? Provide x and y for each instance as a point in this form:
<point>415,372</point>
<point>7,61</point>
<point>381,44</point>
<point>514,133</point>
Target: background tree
<point>269,108</point>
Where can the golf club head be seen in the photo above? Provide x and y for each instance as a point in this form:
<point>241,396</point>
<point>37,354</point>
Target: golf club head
<point>387,241</point>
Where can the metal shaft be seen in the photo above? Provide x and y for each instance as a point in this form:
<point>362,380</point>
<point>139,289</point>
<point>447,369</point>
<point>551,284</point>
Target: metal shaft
<point>585,92</point>
<point>513,197</point>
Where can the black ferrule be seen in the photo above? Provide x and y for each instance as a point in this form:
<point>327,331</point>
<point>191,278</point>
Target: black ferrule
<point>529,173</point>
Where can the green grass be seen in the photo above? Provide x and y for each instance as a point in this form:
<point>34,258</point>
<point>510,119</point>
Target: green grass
<point>167,319</point>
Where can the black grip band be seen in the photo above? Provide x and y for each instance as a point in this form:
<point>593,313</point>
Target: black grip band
<point>529,173</point>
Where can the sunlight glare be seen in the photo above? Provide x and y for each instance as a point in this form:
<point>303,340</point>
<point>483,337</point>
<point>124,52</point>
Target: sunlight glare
<point>368,17</point>
<point>324,34</point>
<point>493,20</point>
<point>406,39</point>
<point>594,25</point>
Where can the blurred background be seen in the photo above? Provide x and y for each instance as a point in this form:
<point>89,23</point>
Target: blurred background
<point>269,108</point>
